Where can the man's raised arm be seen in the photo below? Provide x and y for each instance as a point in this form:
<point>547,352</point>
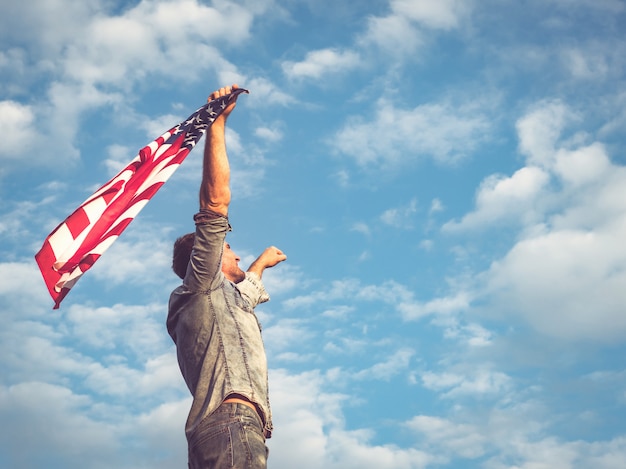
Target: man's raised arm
<point>215,187</point>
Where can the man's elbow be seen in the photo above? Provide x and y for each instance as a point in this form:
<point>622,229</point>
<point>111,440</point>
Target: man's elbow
<point>216,202</point>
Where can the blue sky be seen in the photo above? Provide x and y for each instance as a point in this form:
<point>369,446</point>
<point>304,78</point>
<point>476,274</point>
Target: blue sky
<point>447,178</point>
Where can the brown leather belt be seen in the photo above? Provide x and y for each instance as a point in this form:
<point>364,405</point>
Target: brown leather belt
<point>239,399</point>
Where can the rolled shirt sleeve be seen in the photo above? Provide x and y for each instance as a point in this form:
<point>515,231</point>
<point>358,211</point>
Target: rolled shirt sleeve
<point>253,290</point>
<point>204,272</point>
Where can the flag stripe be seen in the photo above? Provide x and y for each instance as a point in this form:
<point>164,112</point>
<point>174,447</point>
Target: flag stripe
<point>78,223</point>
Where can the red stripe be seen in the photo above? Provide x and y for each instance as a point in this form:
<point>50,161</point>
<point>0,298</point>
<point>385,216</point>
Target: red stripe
<point>58,297</point>
<point>45,259</point>
<point>110,193</point>
<point>77,222</point>
<point>89,260</point>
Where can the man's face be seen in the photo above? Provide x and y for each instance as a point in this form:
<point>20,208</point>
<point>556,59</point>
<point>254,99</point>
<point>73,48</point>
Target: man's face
<point>230,265</point>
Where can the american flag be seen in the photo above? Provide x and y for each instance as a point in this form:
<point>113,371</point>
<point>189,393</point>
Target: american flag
<point>77,243</point>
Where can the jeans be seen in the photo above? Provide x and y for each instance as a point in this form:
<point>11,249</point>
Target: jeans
<point>231,437</point>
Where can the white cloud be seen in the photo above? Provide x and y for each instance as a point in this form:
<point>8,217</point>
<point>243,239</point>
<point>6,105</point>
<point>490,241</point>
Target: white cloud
<point>499,198</point>
<point>393,35</point>
<point>396,363</point>
<point>426,244</point>
<point>338,312</point>
<point>14,276</point>
<point>444,14</point>
<point>135,328</point>
<point>339,289</point>
<point>400,217</point>
<point>585,165</point>
<point>401,33</point>
<point>481,382</point>
<point>554,177</point>
<point>472,334</point>
<point>16,120</point>
<point>90,373</point>
<point>21,284</point>
<point>119,157</point>
<point>466,441</point>
<point>310,433</point>
<point>399,137</point>
<point>159,376</point>
<point>564,272</point>
<point>586,65</point>
<point>513,435</point>
<point>161,428</point>
<point>362,228</point>
<point>282,279</point>
<point>341,345</point>
<point>101,433</point>
<point>136,258</point>
<point>322,62</point>
<point>264,93</point>
<point>269,134</point>
<point>33,408</point>
<point>163,39</point>
<point>49,19</point>
<point>436,206</point>
<point>412,309</point>
<point>566,283</point>
<point>158,125</point>
<point>401,297</point>
<point>286,333</point>
<point>540,129</point>
<point>36,352</point>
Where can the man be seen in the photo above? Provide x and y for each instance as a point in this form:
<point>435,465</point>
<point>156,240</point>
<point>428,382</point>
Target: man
<point>212,322</point>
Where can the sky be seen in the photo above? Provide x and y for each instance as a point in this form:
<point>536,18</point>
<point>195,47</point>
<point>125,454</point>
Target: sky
<point>447,179</point>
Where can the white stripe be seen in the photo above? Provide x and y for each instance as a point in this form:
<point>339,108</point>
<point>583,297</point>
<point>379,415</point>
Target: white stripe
<point>161,150</point>
<point>95,209</point>
<point>154,145</point>
<point>160,173</point>
<point>130,212</point>
<point>60,239</point>
<point>104,245</point>
<point>68,280</point>
<point>124,175</point>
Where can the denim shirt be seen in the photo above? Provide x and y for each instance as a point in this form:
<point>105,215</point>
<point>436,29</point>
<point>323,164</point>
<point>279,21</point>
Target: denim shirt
<point>217,335</point>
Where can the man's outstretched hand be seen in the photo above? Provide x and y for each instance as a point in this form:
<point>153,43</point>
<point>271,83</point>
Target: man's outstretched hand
<point>268,258</point>
<point>223,92</point>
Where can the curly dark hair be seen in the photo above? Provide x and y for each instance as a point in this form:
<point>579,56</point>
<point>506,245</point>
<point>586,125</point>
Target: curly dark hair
<point>182,254</point>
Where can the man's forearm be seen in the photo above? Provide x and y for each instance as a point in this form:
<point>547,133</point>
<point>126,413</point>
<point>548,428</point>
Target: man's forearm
<point>257,268</point>
<point>215,187</point>
<point>269,258</point>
